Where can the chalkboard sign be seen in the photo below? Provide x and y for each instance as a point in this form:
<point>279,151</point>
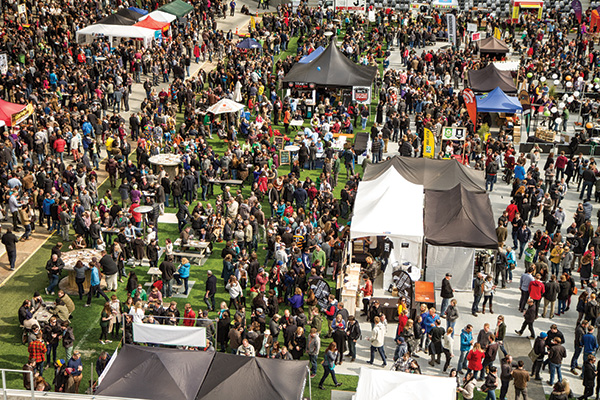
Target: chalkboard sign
<point>279,142</point>
<point>284,157</point>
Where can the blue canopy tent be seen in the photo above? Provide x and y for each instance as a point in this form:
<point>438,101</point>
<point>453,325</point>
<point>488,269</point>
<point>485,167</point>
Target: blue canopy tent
<point>139,10</point>
<point>248,43</point>
<point>310,57</point>
<point>497,101</point>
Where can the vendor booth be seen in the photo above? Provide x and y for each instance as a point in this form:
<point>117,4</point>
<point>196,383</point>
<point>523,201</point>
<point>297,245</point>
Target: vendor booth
<point>13,114</point>
<point>178,8</point>
<point>160,16</point>
<point>151,23</point>
<point>88,34</point>
<point>493,47</point>
<point>487,79</point>
<point>533,7</point>
<point>497,101</point>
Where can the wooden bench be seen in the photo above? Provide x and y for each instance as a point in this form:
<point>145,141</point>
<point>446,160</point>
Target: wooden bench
<point>188,255</point>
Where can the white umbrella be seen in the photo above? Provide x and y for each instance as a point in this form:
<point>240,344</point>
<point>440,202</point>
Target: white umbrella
<point>225,106</point>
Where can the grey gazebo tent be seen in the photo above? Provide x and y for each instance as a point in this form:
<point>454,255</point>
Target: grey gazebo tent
<point>493,45</point>
<point>489,78</point>
<point>331,69</point>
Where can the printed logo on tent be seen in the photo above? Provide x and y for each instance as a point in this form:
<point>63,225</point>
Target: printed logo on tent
<point>468,96</point>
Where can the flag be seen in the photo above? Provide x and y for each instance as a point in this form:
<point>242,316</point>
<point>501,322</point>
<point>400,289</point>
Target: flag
<point>576,6</point>
<point>497,33</point>
<point>253,23</point>
<point>428,144</point>
<point>451,23</point>
<point>471,104</point>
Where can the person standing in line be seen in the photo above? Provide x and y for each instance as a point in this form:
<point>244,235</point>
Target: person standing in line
<point>551,289</point>
<point>556,354</point>
<point>331,355</point>
<point>589,377</point>
<point>377,339</point>
<point>353,331</point>
<point>447,293</point>
<point>491,383</point>
<point>211,290</point>
<point>578,346</point>
<point>506,369</point>
<point>528,319</point>
<point>520,379</point>
<point>536,291</point>
<point>477,293</point>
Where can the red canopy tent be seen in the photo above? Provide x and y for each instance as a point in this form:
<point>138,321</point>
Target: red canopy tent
<point>13,114</point>
<point>153,24</point>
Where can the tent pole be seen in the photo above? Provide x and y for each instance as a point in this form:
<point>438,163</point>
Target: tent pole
<point>91,377</point>
<point>309,384</point>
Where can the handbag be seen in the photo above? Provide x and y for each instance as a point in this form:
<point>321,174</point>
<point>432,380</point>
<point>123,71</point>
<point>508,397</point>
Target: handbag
<point>533,356</point>
<point>575,290</point>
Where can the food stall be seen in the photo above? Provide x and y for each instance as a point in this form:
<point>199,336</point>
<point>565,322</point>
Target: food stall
<point>534,7</point>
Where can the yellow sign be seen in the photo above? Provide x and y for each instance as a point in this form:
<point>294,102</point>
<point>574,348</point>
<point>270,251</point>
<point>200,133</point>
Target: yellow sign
<point>253,23</point>
<point>497,33</point>
<point>22,115</point>
<point>428,144</point>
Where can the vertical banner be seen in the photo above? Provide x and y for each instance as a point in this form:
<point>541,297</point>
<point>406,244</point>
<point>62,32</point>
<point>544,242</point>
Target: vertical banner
<point>576,6</point>
<point>451,23</point>
<point>471,104</point>
<point>253,23</point>
<point>428,144</point>
<point>497,33</point>
<point>526,104</point>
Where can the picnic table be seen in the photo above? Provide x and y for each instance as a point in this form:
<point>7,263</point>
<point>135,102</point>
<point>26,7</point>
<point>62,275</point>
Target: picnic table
<point>70,258</point>
<point>154,273</point>
<point>233,182</point>
<point>42,315</point>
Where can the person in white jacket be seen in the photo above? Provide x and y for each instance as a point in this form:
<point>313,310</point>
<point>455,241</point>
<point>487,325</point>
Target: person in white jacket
<point>448,347</point>
<point>234,289</point>
<point>377,339</point>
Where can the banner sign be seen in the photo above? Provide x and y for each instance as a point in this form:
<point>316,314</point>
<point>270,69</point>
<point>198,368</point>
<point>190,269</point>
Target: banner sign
<point>169,335</point>
<point>577,9</point>
<point>475,36</point>
<point>361,94</point>
<point>351,5</point>
<point>3,64</point>
<point>471,104</point>
<point>451,22</point>
<point>428,144</point>
<point>471,27</point>
<point>454,133</point>
<point>21,116</point>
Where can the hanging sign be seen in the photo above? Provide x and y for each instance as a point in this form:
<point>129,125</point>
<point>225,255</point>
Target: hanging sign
<point>361,94</point>
<point>454,133</point>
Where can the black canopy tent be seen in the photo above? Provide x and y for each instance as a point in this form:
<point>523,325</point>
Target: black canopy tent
<point>129,14</point>
<point>493,45</point>
<point>459,218</point>
<point>168,373</point>
<point>489,78</point>
<point>116,19</point>
<point>331,69</point>
<point>432,174</point>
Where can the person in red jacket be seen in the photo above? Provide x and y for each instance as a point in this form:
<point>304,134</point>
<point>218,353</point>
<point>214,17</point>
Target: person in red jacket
<point>512,210</point>
<point>536,291</point>
<point>59,146</point>
<point>561,163</point>
<point>189,316</point>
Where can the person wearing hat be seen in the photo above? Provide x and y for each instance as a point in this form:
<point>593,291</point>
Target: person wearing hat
<point>539,351</point>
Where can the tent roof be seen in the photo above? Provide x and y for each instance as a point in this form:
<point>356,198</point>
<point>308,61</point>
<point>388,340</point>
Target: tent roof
<point>235,377</point>
<point>493,45</point>
<point>391,385</point>
<point>151,23</point>
<point>489,78</point>
<point>116,31</point>
<point>432,174</point>
<point>332,68</point>
<point>177,7</point>
<point>459,218</point>
<point>139,10</point>
<point>374,200</point>
<point>225,106</point>
<point>131,14</point>
<point>160,16</point>
<point>310,57</point>
<point>8,109</point>
<point>498,101</point>
<point>116,19</point>
<point>154,373</point>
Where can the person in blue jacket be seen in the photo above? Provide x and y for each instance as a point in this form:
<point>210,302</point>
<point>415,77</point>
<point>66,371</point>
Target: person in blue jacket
<point>183,273</point>
<point>466,341</point>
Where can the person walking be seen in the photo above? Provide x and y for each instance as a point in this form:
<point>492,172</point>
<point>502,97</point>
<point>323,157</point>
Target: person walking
<point>95,288</point>
<point>435,345</point>
<point>447,293</point>
<point>524,282</point>
<point>328,363</point>
<point>528,319</point>
<point>506,369</point>
<point>536,291</point>
<point>491,383</point>
<point>9,240</point>
<point>474,358</point>
<point>377,339</point>
<point>520,379</point>
<point>551,289</point>
<point>466,341</point>
<point>477,293</point>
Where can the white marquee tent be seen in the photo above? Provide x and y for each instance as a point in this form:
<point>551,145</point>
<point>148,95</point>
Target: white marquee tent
<point>391,206</point>
<point>392,385</point>
<point>160,16</point>
<point>115,31</point>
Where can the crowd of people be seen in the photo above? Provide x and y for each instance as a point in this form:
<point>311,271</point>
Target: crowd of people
<point>80,91</point>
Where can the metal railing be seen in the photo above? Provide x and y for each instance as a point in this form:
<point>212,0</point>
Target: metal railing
<point>19,371</point>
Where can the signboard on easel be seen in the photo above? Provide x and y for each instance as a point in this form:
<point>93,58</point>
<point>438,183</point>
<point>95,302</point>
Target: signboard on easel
<point>279,142</point>
<point>284,157</point>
